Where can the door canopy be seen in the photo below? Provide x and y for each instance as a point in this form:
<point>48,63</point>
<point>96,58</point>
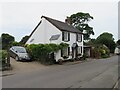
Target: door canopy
<point>74,45</point>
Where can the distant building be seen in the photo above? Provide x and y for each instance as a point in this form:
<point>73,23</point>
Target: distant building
<point>117,50</point>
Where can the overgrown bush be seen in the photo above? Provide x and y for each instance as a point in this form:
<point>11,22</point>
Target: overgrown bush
<point>95,53</point>
<point>3,57</point>
<point>101,51</point>
<point>16,43</point>
<point>84,57</point>
<point>40,52</point>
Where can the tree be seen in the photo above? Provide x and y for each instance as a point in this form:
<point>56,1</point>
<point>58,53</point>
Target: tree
<point>0,43</point>
<point>91,42</point>
<point>7,40</point>
<point>16,43</point>
<point>118,42</point>
<point>106,39</point>
<point>24,39</point>
<point>80,21</point>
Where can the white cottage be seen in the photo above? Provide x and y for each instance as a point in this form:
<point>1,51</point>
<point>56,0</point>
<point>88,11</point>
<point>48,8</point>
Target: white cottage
<point>50,30</point>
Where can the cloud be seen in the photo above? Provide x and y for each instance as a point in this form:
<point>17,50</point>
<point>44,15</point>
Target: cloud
<point>22,17</point>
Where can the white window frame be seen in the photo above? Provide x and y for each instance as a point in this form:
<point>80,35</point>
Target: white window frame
<point>79,50</point>
<point>79,37</point>
<point>65,51</point>
<point>65,36</point>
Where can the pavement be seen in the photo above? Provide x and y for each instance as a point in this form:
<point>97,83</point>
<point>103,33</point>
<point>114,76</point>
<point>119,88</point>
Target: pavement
<point>99,73</point>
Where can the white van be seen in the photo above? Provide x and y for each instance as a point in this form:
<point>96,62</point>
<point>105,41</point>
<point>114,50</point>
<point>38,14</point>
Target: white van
<point>117,50</point>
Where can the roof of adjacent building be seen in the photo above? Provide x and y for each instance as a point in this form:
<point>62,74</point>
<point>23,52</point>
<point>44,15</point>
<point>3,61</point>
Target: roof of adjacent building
<point>62,25</point>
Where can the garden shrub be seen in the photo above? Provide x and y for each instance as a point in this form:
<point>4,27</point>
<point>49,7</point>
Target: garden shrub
<point>96,53</point>
<point>101,51</point>
<point>84,57</point>
<point>3,57</point>
<point>40,52</point>
<point>104,51</point>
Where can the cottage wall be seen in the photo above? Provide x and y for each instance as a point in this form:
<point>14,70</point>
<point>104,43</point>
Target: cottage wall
<point>44,32</point>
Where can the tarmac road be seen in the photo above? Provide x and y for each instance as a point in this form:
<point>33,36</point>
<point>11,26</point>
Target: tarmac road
<point>102,73</point>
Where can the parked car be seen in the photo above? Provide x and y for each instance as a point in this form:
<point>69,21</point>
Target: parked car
<point>19,53</point>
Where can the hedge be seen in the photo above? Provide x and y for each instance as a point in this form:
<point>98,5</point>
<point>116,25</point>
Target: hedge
<point>40,52</point>
<point>3,56</point>
<point>100,51</point>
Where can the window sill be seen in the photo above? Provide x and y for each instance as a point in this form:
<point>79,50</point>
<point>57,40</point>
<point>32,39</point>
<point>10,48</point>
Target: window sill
<point>79,41</point>
<point>65,40</point>
<point>65,57</point>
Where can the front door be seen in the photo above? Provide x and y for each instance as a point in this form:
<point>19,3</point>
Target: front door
<point>74,53</point>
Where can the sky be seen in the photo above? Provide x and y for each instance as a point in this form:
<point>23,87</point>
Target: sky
<point>21,17</point>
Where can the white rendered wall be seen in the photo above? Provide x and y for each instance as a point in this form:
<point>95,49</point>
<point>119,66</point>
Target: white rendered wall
<point>38,35</point>
<point>81,44</point>
<point>44,32</point>
<point>50,30</point>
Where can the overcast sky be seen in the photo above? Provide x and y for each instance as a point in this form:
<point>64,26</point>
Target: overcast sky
<point>20,18</point>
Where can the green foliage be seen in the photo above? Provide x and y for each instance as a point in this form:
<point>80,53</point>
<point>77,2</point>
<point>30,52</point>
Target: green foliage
<point>24,39</point>
<point>40,52</point>
<point>95,52</point>
<point>63,45</point>
<point>7,40</point>
<point>16,43</point>
<point>100,51</point>
<point>118,42</point>
<point>84,57</point>
<point>90,42</point>
<point>3,56</point>
<point>80,21</point>
<point>108,40</point>
<point>104,51</point>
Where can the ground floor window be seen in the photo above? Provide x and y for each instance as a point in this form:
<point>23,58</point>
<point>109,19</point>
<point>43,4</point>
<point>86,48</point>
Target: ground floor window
<point>79,49</point>
<point>65,52</point>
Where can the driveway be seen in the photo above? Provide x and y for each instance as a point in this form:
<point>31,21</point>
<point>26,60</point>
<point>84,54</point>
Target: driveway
<point>23,67</point>
<point>102,73</point>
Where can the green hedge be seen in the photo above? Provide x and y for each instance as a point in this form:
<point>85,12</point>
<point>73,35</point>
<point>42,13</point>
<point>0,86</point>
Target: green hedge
<point>101,51</point>
<point>40,52</point>
<point>3,57</point>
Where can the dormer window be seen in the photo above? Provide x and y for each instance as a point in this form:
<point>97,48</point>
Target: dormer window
<point>79,37</point>
<point>65,36</point>
<point>31,40</point>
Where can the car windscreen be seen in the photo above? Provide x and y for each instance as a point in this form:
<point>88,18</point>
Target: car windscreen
<point>20,50</point>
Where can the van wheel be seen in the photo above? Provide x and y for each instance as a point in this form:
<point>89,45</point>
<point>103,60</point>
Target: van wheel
<point>60,61</point>
<point>16,58</point>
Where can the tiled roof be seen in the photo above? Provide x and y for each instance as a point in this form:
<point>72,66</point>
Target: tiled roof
<point>62,25</point>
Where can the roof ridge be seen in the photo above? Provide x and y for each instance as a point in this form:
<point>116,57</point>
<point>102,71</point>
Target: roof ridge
<point>53,19</point>
<point>62,25</point>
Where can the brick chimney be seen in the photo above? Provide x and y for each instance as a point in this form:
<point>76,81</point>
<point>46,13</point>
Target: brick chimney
<point>68,21</point>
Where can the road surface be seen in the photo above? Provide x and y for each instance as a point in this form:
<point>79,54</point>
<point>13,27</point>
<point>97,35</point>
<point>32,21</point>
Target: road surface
<point>102,73</point>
